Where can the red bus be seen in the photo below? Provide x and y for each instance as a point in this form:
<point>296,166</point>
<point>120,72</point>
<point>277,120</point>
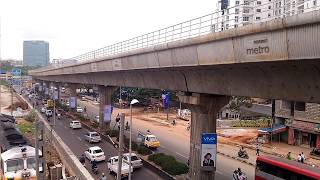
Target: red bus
<point>276,168</point>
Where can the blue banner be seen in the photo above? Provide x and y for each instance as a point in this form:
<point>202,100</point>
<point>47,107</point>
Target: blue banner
<point>209,138</point>
<point>166,100</point>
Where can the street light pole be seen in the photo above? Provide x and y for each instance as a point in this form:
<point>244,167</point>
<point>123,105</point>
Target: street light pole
<point>134,101</point>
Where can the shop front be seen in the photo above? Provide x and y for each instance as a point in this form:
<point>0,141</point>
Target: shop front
<point>306,134</point>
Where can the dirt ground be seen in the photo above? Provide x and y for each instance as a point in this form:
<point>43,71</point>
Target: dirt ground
<point>245,136</point>
<point>5,101</point>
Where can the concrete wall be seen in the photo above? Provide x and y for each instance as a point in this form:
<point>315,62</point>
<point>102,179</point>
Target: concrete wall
<point>66,155</point>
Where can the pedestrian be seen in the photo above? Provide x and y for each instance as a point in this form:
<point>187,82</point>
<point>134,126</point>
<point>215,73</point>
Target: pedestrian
<point>258,149</point>
<point>299,158</point>
<point>103,177</point>
<point>85,109</point>
<point>289,156</point>
<point>302,157</point>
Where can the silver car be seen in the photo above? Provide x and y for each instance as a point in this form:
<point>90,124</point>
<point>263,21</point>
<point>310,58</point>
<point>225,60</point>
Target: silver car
<point>135,160</point>
<point>92,137</point>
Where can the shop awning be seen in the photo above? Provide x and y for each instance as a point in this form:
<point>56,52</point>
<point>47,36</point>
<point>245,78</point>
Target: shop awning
<point>276,129</point>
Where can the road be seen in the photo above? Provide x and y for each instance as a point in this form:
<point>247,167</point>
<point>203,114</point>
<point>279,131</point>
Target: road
<point>177,146</point>
<point>75,141</point>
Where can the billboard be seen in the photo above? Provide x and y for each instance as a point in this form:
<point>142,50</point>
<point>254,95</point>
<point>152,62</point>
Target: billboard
<point>208,150</point>
<point>72,102</point>
<point>107,111</point>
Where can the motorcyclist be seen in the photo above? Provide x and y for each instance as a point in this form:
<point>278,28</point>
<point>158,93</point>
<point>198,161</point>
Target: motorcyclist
<point>94,165</point>
<point>242,152</point>
<point>103,177</point>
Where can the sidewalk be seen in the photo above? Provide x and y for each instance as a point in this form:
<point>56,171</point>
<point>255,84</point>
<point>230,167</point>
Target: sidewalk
<point>277,149</point>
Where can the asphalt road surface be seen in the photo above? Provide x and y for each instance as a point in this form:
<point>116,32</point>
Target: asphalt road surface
<point>75,141</point>
<point>179,147</point>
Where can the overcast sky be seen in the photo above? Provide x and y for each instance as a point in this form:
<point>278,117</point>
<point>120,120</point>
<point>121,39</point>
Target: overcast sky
<point>73,27</point>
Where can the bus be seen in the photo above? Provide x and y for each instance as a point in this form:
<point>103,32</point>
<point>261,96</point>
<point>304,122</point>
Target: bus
<point>276,168</point>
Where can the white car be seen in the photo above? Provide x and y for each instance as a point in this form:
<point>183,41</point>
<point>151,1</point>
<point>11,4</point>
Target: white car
<point>136,162</point>
<point>95,153</point>
<point>75,125</point>
<point>112,164</point>
<point>79,109</point>
<point>49,113</point>
<point>43,109</point>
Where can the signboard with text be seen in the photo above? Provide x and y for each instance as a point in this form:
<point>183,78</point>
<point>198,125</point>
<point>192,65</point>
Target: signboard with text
<point>208,149</point>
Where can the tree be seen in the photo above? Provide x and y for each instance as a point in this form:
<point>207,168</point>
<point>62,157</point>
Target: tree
<point>237,101</point>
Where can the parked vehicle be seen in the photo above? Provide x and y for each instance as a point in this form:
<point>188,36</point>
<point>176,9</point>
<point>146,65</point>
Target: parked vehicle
<point>136,162</point>
<point>112,164</point>
<point>49,113</point>
<point>79,109</point>
<point>95,153</point>
<point>149,140</point>
<point>92,137</point>
<point>75,125</point>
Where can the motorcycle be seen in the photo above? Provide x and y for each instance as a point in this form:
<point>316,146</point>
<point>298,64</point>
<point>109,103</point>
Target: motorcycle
<point>243,154</point>
<point>95,170</point>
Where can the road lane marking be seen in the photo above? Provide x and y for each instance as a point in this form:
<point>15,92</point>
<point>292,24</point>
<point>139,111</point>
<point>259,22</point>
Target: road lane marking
<point>182,155</point>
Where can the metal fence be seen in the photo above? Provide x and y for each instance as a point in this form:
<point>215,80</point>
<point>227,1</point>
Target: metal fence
<point>248,12</point>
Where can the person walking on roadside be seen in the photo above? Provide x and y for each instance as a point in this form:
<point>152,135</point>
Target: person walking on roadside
<point>289,156</point>
<point>302,157</point>
<point>299,158</point>
<point>258,149</point>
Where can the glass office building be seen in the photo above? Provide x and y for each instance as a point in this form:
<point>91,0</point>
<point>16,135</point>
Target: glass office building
<point>35,53</point>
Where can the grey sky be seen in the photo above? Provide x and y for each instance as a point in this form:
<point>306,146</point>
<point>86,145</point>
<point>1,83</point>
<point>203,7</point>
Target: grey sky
<point>73,27</point>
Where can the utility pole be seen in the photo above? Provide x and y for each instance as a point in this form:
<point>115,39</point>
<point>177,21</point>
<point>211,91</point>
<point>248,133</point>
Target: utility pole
<point>120,146</point>
<point>273,109</point>
<point>11,91</point>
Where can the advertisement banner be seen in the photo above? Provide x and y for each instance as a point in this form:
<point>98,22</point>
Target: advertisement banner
<point>72,102</point>
<point>46,91</point>
<point>166,100</point>
<point>40,88</point>
<point>55,95</point>
<point>107,111</point>
<point>208,149</point>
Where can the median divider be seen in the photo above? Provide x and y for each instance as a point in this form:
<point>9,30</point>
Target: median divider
<point>66,155</point>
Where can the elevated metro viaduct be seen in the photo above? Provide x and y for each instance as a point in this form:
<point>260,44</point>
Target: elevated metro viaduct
<point>278,59</point>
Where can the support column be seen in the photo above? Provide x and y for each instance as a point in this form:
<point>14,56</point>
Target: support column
<point>73,92</point>
<point>204,109</point>
<point>105,93</point>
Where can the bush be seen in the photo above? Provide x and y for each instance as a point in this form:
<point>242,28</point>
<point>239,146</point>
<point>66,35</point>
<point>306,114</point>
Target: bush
<point>169,164</point>
<point>141,149</point>
<point>31,116</point>
<point>95,125</point>
<point>81,117</point>
<point>112,132</point>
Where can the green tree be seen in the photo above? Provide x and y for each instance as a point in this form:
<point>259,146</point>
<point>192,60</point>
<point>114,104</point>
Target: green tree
<point>237,101</point>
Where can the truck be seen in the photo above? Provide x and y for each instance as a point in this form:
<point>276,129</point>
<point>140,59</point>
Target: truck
<point>50,103</point>
<point>112,164</point>
<point>149,140</point>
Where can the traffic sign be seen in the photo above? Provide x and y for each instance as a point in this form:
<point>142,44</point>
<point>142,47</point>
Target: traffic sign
<point>16,72</point>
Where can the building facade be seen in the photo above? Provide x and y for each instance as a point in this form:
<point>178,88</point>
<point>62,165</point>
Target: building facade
<point>242,12</point>
<point>35,53</point>
<point>302,121</point>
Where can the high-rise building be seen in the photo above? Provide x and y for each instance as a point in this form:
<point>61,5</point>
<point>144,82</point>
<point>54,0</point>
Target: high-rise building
<point>234,13</point>
<point>35,53</point>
